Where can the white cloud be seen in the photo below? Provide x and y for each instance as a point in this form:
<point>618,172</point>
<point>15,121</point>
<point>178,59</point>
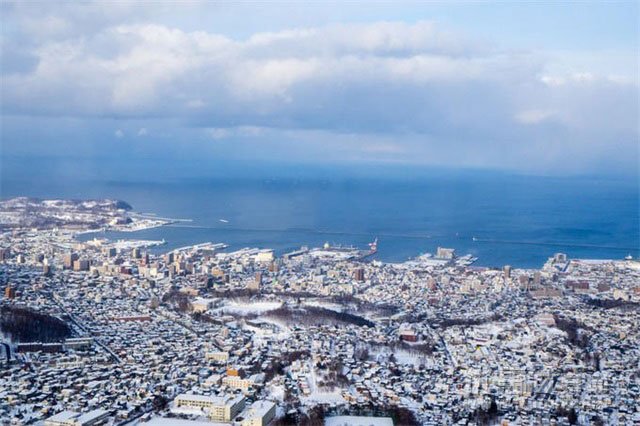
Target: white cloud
<point>217,133</point>
<point>427,88</point>
<point>533,116</point>
<point>383,148</point>
<point>119,134</point>
<point>143,131</point>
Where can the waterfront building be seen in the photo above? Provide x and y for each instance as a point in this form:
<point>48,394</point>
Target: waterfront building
<point>445,253</point>
<point>506,271</point>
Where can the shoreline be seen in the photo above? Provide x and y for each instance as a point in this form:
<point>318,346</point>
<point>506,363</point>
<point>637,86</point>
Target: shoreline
<point>279,251</point>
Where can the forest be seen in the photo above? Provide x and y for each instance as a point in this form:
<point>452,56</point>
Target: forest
<point>27,325</point>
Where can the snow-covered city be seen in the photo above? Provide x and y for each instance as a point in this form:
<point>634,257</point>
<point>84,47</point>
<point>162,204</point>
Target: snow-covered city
<point>106,332</point>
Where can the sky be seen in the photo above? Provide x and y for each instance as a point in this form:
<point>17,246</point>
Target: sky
<point>546,88</point>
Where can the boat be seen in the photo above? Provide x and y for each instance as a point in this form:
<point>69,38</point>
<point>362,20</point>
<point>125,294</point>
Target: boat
<point>373,247</point>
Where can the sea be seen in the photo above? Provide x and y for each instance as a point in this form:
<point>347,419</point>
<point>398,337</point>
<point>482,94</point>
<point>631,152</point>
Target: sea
<point>500,218</point>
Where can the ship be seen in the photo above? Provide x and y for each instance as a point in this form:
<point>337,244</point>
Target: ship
<point>373,247</point>
<point>351,251</point>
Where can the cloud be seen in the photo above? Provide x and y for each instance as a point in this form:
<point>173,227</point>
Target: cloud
<point>217,133</point>
<point>533,116</point>
<point>119,134</point>
<point>427,91</point>
<point>143,131</point>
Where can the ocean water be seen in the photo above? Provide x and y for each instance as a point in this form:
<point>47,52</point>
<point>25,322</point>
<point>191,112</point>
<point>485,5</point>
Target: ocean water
<point>516,220</point>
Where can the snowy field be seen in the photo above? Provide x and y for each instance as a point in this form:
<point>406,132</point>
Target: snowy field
<point>248,308</point>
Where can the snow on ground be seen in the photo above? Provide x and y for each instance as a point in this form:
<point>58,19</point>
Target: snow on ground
<point>261,336</point>
<point>190,411</point>
<point>317,395</point>
<point>357,421</point>
<point>334,397</point>
<point>402,356</point>
<point>163,421</point>
<point>248,308</point>
<point>326,305</point>
<point>406,357</point>
<point>276,392</point>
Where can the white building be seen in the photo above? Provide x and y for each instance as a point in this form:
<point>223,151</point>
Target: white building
<point>71,418</point>
<point>220,357</point>
<point>260,413</point>
<point>218,408</point>
<point>264,256</point>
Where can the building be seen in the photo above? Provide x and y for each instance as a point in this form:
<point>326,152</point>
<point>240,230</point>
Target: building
<point>507,271</point>
<point>9,292</point>
<point>524,282</point>
<point>432,284</point>
<point>218,408</point>
<point>237,382</point>
<point>78,342</point>
<point>546,319</point>
<point>170,421</point>
<point>220,357</point>
<point>560,257</point>
<point>234,372</point>
<point>264,256</point>
<point>358,274</point>
<point>4,253</point>
<point>445,253</point>
<point>256,284</point>
<point>537,278</point>
<point>68,260</point>
<point>154,303</point>
<point>71,418</point>
<point>260,413</point>
<point>81,265</point>
<point>407,334</point>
